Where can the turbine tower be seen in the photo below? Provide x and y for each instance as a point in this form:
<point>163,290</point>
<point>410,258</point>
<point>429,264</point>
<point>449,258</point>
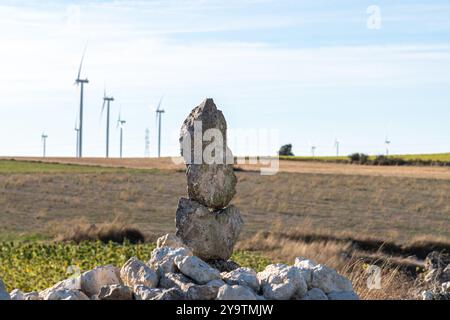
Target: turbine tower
<point>387,142</point>
<point>44,144</point>
<point>147,143</point>
<point>159,112</point>
<point>106,101</point>
<point>313,150</point>
<point>81,82</point>
<point>120,123</point>
<point>336,145</point>
<point>77,130</point>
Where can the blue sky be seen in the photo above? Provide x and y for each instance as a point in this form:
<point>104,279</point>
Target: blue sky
<point>310,70</point>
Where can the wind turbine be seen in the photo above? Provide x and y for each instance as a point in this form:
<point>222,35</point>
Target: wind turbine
<point>387,142</point>
<point>159,112</point>
<point>81,82</point>
<point>313,150</point>
<point>44,143</point>
<point>77,130</point>
<point>336,145</point>
<point>120,123</point>
<point>106,101</point>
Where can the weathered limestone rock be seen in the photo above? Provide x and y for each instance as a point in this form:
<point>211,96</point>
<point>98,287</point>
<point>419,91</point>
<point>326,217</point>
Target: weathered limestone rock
<point>210,235</point>
<point>343,295</point>
<point>162,259</point>
<point>196,269</point>
<point>16,294</point>
<point>235,292</point>
<point>329,280</point>
<point>115,292</point>
<point>445,287</point>
<point>306,267</point>
<point>170,240</point>
<point>92,281</point>
<point>65,294</point>
<point>67,284</point>
<point>282,282</point>
<point>174,280</point>
<point>243,277</point>
<point>142,292</point>
<point>202,118</point>
<point>170,294</point>
<point>211,185</point>
<point>315,294</point>
<point>201,292</point>
<point>136,272</point>
<point>4,295</point>
<point>216,283</point>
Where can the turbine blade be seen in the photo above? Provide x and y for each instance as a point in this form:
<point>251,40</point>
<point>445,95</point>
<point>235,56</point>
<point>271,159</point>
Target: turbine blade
<point>159,104</point>
<point>81,62</point>
<point>103,108</point>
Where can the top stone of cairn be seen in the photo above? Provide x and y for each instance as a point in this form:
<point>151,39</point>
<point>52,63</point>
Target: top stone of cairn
<point>203,137</point>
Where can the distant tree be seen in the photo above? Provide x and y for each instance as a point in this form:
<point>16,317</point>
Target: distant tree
<point>360,158</point>
<point>286,150</point>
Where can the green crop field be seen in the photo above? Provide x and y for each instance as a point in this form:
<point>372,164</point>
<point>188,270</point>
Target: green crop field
<point>36,266</point>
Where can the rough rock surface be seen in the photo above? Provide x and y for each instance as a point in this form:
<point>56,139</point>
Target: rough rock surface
<point>174,280</point>
<point>162,259</point>
<point>92,281</point>
<point>142,292</point>
<point>136,272</point>
<point>209,117</point>
<point>329,280</point>
<point>115,292</point>
<point>170,294</point>
<point>315,294</point>
<point>4,295</point>
<point>170,240</point>
<point>68,284</point>
<point>210,235</point>
<point>243,277</point>
<point>197,269</point>
<point>16,294</point>
<point>65,294</point>
<point>211,185</point>
<point>235,292</point>
<point>282,282</point>
<point>343,295</point>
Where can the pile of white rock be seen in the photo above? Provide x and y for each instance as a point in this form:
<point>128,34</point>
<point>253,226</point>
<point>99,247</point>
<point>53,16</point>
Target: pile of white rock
<point>437,277</point>
<point>173,273</point>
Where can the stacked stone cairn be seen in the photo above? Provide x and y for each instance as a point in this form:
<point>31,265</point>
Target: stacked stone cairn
<point>194,264</point>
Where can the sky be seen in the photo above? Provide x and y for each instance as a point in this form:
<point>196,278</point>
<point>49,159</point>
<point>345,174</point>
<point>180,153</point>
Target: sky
<point>307,72</point>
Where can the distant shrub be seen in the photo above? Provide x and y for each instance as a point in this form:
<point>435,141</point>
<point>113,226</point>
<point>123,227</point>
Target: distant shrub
<point>388,161</point>
<point>286,150</point>
<point>359,158</point>
<point>114,231</point>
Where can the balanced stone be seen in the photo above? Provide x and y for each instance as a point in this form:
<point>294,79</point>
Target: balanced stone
<point>209,234</point>
<point>204,117</point>
<point>203,139</point>
<point>211,185</point>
